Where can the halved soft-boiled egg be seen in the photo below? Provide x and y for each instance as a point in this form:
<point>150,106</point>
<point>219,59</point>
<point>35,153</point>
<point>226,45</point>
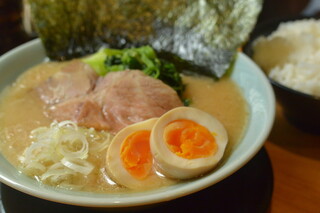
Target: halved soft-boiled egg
<point>187,142</point>
<point>129,160</point>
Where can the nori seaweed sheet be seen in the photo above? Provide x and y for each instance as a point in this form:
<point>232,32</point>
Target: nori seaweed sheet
<point>203,33</point>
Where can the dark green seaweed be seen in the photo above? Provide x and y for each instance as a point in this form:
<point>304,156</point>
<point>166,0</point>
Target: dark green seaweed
<point>204,33</point>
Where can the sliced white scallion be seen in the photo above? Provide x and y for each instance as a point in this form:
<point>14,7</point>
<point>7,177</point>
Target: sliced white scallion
<point>59,154</point>
<point>57,172</point>
<point>78,165</point>
<point>36,167</point>
<point>98,147</point>
<point>73,145</point>
<point>68,124</point>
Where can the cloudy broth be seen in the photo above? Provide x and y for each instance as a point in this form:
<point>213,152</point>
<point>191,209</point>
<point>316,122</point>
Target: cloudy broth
<point>21,111</point>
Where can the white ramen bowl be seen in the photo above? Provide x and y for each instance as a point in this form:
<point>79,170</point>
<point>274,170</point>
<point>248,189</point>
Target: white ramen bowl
<point>256,90</point>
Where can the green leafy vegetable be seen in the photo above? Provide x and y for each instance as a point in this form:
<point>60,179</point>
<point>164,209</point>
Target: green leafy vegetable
<point>143,58</point>
<point>186,102</point>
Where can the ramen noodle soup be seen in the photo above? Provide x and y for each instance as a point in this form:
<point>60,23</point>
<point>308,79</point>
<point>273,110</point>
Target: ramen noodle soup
<point>73,138</point>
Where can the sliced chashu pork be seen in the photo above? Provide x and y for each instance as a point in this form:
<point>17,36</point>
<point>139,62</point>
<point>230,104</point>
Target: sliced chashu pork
<point>74,80</point>
<point>111,102</point>
<point>82,110</point>
<point>131,96</point>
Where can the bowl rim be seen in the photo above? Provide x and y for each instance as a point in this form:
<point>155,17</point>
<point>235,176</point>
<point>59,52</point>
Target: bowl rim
<point>296,92</point>
<point>156,196</point>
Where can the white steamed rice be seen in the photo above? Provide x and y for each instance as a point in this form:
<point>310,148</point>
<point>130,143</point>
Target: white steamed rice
<point>291,55</point>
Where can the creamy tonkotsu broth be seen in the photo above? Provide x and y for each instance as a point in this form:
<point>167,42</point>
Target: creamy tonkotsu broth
<point>222,99</point>
<point>21,111</point>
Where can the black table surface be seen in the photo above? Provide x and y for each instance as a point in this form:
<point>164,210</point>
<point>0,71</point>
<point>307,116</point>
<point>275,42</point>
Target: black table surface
<point>247,190</point>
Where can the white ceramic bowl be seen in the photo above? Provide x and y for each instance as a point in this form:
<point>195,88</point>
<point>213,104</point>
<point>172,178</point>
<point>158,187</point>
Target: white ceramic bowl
<point>249,77</point>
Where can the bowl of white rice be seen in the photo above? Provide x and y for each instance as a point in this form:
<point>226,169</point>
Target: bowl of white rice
<point>288,51</point>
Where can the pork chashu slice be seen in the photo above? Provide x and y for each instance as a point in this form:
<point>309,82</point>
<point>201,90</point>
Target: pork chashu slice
<point>114,101</point>
<point>130,96</point>
<point>73,80</point>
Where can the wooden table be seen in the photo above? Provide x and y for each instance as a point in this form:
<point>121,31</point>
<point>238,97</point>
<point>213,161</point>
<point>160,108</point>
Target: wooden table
<point>295,157</point>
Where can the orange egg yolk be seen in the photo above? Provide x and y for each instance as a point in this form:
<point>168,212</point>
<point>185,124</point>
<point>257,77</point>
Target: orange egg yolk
<point>189,139</point>
<point>135,154</point>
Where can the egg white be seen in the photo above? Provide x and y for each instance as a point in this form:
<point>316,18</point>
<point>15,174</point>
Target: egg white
<point>175,166</point>
<point>114,165</point>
